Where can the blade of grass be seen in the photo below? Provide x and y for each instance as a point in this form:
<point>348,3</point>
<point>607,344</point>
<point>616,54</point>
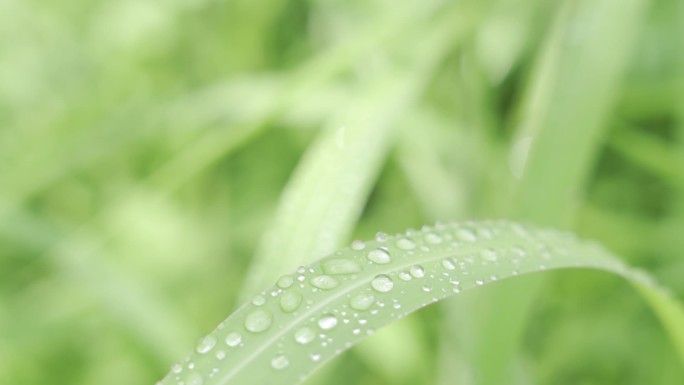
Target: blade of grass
<point>565,109</point>
<point>313,315</point>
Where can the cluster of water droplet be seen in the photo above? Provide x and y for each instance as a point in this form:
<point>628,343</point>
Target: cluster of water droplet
<point>320,310</point>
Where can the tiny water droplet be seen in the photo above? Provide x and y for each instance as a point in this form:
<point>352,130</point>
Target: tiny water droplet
<point>362,301</point>
<point>404,276</point>
<point>177,368</point>
<point>220,355</point>
<point>290,301</point>
<point>427,288</point>
<point>304,335</point>
<point>479,282</point>
<point>258,321</point>
<point>340,266</point>
<point>489,255</point>
<point>358,245</point>
<point>205,344</point>
<point>285,281</point>
<point>324,282</point>
<point>417,271</point>
<point>233,339</point>
<point>448,264</point>
<point>381,237</point>
<point>280,362</point>
<point>258,300</point>
<point>379,256</point>
<point>406,244</point>
<point>382,283</point>
<point>315,357</point>
<point>327,322</point>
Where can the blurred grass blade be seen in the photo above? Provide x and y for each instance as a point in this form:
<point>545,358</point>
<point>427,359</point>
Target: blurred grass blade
<point>324,198</point>
<point>564,113</point>
<point>311,316</point>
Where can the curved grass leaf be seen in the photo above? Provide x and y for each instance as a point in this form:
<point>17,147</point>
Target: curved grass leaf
<point>309,317</point>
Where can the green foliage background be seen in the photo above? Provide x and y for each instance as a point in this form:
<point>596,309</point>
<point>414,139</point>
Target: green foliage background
<point>145,147</point>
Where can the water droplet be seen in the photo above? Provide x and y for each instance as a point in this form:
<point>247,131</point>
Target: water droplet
<point>340,266</point>
<point>258,321</point>
<point>285,281</point>
<point>382,283</point>
<point>404,276</point>
<point>258,300</point>
<point>489,255</point>
<point>466,235</point>
<point>448,264</point>
<point>233,339</point>
<point>417,271</point>
<point>358,245</point>
<point>290,301</point>
<point>427,288</point>
<point>220,355</point>
<point>479,282</point>
<point>195,379</point>
<point>205,344</point>
<point>379,256</point>
<point>327,322</point>
<point>362,301</point>
<point>177,368</point>
<point>381,237</point>
<point>280,362</point>
<point>324,282</point>
<point>304,335</point>
<point>315,357</point>
<point>406,244</point>
<point>433,238</point>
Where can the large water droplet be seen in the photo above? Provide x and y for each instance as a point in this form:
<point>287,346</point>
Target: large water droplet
<point>340,266</point>
<point>290,301</point>
<point>233,339</point>
<point>362,301</point>
<point>324,282</point>
<point>304,335</point>
<point>280,362</point>
<point>406,244</point>
<point>417,271</point>
<point>285,281</point>
<point>258,321</point>
<point>327,322</point>
<point>205,344</point>
<point>379,256</point>
<point>382,283</point>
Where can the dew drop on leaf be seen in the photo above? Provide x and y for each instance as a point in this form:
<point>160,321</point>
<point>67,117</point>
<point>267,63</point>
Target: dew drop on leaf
<point>304,335</point>
<point>417,271</point>
<point>258,300</point>
<point>406,244</point>
<point>362,301</point>
<point>258,321</point>
<point>358,245</point>
<point>205,344</point>
<point>290,301</point>
<point>327,322</point>
<point>379,256</point>
<point>324,282</point>
<point>382,283</point>
<point>233,339</point>
<point>280,362</point>
<point>285,281</point>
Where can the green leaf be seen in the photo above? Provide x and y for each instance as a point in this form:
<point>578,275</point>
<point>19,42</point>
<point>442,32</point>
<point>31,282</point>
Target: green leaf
<point>317,312</point>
